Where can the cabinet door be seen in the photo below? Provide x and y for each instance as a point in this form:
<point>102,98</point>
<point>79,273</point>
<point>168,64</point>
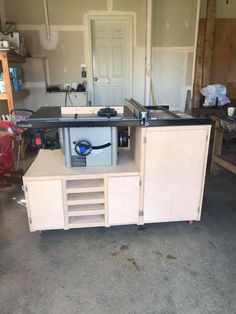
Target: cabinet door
<point>174,173</point>
<point>45,204</point>
<point>123,200</point>
<point>158,177</point>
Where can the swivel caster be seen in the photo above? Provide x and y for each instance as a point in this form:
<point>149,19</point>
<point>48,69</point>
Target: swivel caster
<point>141,227</point>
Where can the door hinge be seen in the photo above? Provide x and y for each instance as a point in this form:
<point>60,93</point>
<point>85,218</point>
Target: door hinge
<point>25,189</point>
<point>141,213</point>
<point>198,210</point>
<point>140,182</point>
<point>30,220</point>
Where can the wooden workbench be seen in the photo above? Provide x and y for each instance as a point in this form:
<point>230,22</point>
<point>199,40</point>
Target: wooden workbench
<point>222,124</point>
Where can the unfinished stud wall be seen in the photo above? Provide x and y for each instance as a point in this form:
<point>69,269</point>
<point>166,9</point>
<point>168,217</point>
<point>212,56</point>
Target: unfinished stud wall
<point>223,65</point>
<point>223,69</point>
<point>174,24</point>
<point>65,51</point>
<point>2,12</point>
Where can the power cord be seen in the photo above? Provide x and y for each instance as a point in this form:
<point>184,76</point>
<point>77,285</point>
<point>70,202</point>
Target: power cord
<point>68,91</point>
<point>71,102</point>
<point>66,98</point>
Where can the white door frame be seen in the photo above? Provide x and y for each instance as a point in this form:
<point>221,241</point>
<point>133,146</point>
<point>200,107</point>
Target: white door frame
<point>88,47</point>
<point>195,47</point>
<point>148,65</point>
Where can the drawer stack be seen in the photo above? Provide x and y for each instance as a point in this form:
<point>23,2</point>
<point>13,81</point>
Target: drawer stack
<point>85,203</point>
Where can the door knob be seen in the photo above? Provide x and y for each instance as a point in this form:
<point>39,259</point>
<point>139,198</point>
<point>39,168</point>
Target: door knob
<point>95,79</point>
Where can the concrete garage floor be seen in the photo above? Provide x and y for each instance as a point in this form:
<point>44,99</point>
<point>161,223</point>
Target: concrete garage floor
<point>166,268</point>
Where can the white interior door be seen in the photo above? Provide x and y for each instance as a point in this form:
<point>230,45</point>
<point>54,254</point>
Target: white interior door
<point>111,52</point>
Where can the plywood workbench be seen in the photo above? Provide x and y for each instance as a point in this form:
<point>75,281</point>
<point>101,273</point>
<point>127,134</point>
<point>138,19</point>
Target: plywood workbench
<point>161,178</point>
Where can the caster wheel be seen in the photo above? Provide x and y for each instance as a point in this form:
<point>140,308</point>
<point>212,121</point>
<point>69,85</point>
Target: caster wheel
<point>190,222</point>
<point>141,228</point>
<point>39,232</point>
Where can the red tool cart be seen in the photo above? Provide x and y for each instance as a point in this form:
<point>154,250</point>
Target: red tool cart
<point>8,168</point>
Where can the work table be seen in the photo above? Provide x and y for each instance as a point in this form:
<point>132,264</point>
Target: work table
<point>159,179</point>
<point>222,124</point>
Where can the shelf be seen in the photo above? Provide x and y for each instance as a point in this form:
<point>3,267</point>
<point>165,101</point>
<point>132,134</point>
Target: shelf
<point>55,166</point>
<point>16,95</point>
<point>85,186</point>
<point>3,96</point>
<point>12,57</point>
<point>86,190</point>
<point>84,183</point>
<point>86,213</point>
<point>87,221</point>
<point>21,94</point>
<point>76,208</point>
<point>15,58</point>
<point>85,198</point>
<point>87,209</point>
<point>7,57</point>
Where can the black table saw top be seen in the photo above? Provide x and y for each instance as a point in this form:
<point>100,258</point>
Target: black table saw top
<point>133,115</point>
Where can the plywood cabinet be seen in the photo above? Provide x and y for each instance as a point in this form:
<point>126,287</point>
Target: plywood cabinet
<point>163,182</point>
<point>174,173</point>
<point>123,200</point>
<point>62,198</point>
<point>45,204</point>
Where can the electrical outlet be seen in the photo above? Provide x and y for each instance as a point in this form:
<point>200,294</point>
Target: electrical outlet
<point>74,86</point>
<point>67,85</point>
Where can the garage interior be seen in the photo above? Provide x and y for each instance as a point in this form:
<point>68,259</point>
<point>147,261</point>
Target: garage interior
<point>158,232</point>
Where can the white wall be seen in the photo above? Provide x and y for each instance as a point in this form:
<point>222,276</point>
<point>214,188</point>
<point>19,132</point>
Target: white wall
<point>223,10</point>
<point>67,48</point>
<point>174,24</point>
<point>169,74</point>
<point>39,98</point>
